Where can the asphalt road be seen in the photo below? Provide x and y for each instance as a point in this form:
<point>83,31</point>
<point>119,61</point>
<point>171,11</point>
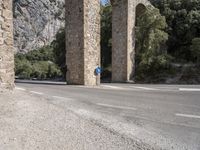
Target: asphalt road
<point>163,116</point>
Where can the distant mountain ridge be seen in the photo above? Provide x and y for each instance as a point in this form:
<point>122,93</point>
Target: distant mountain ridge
<point>36,22</point>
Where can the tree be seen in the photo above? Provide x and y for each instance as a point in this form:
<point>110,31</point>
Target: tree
<point>183,19</point>
<point>106,34</point>
<point>38,64</point>
<point>59,50</point>
<point>151,55</point>
<point>195,49</point>
<point>42,54</point>
<point>23,68</point>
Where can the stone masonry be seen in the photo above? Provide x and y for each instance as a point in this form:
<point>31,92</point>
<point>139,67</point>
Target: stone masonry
<point>123,38</point>
<point>6,45</point>
<point>82,41</point>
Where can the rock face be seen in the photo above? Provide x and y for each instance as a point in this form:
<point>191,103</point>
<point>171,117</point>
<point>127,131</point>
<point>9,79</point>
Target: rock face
<point>36,22</point>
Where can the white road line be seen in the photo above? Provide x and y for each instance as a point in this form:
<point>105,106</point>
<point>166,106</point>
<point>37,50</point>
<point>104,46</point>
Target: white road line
<point>38,93</point>
<point>21,89</point>
<point>144,88</point>
<point>189,89</point>
<point>114,106</point>
<point>188,116</point>
<point>59,97</point>
<point>112,87</point>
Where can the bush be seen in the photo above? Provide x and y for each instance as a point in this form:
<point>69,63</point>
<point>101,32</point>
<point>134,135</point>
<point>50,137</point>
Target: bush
<point>43,54</point>
<point>195,50</point>
<point>23,68</point>
<point>151,54</point>
<point>59,51</point>
<point>37,64</point>
<point>45,70</point>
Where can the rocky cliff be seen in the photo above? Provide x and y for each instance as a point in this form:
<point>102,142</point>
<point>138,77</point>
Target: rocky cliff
<point>36,22</point>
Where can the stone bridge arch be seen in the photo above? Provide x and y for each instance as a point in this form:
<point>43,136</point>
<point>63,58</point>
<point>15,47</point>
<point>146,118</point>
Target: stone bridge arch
<point>82,41</point>
<point>83,56</point>
<point>123,38</point>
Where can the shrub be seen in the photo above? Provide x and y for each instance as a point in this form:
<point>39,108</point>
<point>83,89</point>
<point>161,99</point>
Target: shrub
<point>151,54</point>
<point>195,50</point>
<point>37,64</point>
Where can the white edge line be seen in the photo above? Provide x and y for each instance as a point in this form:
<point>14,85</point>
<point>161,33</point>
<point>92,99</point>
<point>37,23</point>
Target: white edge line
<point>145,88</point>
<point>188,116</point>
<point>112,87</point>
<point>21,89</point>
<point>59,97</point>
<point>38,93</point>
<point>114,106</point>
<point>189,89</point>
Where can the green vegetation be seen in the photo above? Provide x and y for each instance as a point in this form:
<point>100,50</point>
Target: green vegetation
<point>106,34</point>
<point>37,64</point>
<point>106,41</point>
<point>167,41</point>
<point>195,50</point>
<point>47,62</point>
<point>59,51</point>
<point>151,54</point>
<point>167,45</point>
<point>183,20</point>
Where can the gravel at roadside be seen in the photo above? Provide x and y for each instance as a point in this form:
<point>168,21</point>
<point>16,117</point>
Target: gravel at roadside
<point>29,122</point>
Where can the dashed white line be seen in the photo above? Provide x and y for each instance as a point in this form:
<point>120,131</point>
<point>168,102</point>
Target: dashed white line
<point>114,106</point>
<point>38,93</point>
<point>21,89</point>
<point>59,97</point>
<point>144,88</point>
<point>112,87</point>
<point>188,116</point>
<point>189,89</point>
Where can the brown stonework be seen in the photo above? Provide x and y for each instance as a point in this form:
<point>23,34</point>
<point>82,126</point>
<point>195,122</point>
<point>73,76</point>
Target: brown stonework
<point>82,41</point>
<point>123,38</point>
<point>6,45</point>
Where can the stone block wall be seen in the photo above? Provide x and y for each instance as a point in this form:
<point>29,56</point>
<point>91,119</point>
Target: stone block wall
<point>6,45</point>
<point>82,41</point>
<point>123,39</point>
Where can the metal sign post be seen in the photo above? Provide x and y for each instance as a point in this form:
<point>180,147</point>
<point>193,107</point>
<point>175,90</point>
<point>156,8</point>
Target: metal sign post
<point>98,71</point>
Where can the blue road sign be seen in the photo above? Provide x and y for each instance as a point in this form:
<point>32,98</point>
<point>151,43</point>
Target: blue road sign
<point>98,70</point>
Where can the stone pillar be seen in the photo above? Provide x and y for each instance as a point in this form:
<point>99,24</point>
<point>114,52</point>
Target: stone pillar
<point>6,45</point>
<point>123,39</point>
<point>82,41</point>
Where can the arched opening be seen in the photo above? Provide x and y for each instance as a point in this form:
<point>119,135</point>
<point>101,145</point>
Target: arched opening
<point>139,37</point>
<point>81,43</point>
<point>140,10</point>
<point>106,41</point>
<point>37,33</point>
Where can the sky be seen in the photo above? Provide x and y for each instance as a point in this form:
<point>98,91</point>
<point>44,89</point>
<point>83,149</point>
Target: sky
<point>104,1</point>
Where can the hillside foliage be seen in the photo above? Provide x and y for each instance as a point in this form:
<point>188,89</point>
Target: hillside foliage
<point>166,34</point>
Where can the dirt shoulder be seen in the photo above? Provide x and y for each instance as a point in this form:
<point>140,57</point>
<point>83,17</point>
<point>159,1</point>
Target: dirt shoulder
<point>30,122</point>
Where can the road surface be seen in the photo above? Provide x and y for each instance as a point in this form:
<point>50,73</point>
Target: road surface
<point>163,116</point>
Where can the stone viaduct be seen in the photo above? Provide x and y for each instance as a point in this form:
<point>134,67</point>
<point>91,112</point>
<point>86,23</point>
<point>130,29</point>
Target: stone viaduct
<point>82,41</point>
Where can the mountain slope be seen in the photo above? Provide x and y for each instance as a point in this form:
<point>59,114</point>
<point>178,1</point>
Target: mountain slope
<point>36,22</point>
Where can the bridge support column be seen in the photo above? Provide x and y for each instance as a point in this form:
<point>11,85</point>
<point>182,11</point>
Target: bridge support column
<point>6,45</point>
<point>82,41</point>
<point>123,40</point>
